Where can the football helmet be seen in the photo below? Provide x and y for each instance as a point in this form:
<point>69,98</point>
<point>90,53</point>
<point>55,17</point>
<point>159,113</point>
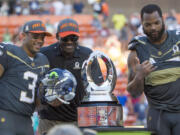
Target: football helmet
<point>58,84</point>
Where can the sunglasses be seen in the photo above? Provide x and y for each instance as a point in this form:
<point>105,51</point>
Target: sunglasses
<point>71,38</point>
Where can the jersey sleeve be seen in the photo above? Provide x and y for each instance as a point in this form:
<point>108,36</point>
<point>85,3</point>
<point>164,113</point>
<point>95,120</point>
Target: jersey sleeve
<point>135,42</point>
<point>3,55</point>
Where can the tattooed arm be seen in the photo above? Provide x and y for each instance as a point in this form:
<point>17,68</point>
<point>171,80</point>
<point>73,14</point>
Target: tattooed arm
<point>135,83</point>
<point>136,74</point>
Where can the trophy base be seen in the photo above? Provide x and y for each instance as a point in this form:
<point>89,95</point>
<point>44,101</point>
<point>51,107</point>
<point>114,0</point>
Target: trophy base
<point>100,114</point>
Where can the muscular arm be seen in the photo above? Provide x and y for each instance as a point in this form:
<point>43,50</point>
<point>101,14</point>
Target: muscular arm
<point>135,82</point>
<point>137,73</point>
<point>1,70</point>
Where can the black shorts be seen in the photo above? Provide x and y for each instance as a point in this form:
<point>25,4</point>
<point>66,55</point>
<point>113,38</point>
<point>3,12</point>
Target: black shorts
<point>15,124</point>
<point>163,122</point>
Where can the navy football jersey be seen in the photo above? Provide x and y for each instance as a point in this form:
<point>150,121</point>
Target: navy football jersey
<point>18,83</point>
<point>162,86</point>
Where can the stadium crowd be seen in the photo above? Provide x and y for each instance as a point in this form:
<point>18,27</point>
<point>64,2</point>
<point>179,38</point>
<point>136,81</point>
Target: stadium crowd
<point>111,40</point>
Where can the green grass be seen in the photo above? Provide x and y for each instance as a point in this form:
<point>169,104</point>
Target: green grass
<point>125,133</point>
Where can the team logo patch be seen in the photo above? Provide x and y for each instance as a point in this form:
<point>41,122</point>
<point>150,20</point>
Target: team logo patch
<point>27,28</point>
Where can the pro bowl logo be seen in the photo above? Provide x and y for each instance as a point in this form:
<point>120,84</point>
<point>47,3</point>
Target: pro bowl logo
<point>77,65</point>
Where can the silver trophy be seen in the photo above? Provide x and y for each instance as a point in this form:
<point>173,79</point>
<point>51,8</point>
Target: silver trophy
<point>95,92</point>
<point>99,106</point>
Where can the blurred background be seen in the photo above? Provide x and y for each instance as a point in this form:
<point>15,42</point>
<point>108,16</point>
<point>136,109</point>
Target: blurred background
<point>105,25</point>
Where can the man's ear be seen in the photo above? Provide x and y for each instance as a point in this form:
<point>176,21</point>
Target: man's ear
<point>22,35</point>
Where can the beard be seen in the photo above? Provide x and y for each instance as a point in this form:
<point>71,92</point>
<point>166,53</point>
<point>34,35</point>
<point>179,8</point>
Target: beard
<point>159,35</point>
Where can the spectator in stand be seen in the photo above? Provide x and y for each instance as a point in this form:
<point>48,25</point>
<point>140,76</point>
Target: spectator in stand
<point>91,2</point>
<point>11,4</point>
<point>121,28</point>
<point>104,32</point>
<point>18,7</point>
<point>171,21</point>
<point>96,22</point>
<point>34,7</point>
<point>78,6</point>
<point>7,36</point>
<point>47,7</point>
<point>122,99</point>
<point>25,9</point>
<point>4,10</point>
<point>67,10</point>
<point>105,9</point>
<point>58,6</point>
<point>134,23</point>
<point>140,109</point>
<point>88,41</point>
<point>97,8</point>
<point>119,21</point>
<point>101,7</point>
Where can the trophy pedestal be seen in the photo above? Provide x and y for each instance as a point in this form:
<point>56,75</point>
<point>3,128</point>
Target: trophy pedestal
<point>100,114</point>
<point>99,106</point>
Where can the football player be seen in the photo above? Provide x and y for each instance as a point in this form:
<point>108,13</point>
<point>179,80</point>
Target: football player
<point>154,65</point>
<point>20,70</point>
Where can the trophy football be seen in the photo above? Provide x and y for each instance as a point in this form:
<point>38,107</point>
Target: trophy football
<point>99,107</point>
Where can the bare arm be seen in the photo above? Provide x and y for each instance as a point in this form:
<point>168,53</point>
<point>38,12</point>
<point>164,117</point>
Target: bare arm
<point>1,70</point>
<point>135,83</point>
<point>136,74</point>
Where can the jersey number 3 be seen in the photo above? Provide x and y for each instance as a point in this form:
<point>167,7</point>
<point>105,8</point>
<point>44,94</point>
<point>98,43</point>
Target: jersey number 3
<point>31,87</point>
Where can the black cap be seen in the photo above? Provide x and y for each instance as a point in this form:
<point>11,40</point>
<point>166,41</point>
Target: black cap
<point>35,26</point>
<point>68,27</point>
